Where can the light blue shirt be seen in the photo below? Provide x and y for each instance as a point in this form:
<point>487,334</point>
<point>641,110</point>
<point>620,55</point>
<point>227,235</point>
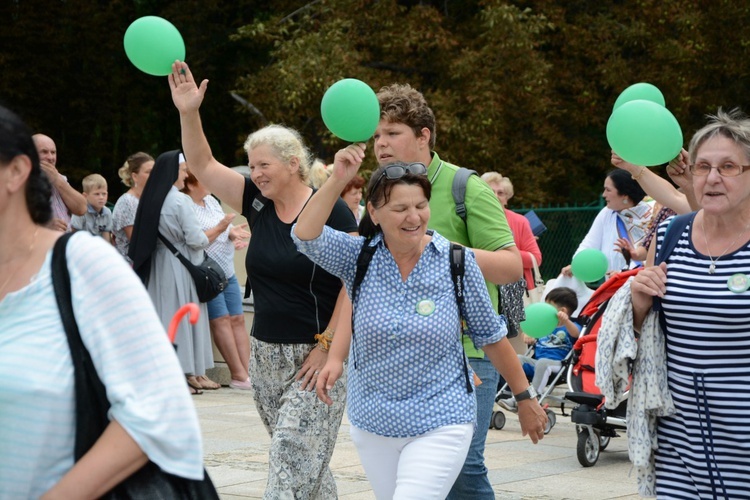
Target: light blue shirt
<point>406,372</point>
<point>131,353</point>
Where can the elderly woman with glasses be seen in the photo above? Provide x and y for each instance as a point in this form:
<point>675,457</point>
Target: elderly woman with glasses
<point>702,286</point>
<point>411,401</point>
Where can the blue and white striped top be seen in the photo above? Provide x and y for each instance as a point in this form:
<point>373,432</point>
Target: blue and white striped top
<point>704,448</point>
<point>405,372</point>
<point>132,355</point>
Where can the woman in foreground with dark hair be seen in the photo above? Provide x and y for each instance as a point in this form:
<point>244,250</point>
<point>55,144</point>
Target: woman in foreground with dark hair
<point>151,415</point>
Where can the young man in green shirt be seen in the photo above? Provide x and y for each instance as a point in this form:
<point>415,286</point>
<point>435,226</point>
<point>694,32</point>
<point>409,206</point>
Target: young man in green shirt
<point>406,133</point>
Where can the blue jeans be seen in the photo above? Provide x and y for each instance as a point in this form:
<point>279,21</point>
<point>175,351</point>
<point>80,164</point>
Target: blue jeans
<point>472,482</point>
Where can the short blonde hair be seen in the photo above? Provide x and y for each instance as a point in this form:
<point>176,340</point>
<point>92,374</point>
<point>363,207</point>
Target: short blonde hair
<point>93,181</point>
<point>492,177</point>
<point>286,144</point>
<point>319,173</point>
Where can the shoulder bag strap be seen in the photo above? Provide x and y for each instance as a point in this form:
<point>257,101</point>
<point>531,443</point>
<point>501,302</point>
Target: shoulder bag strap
<point>185,261</point>
<point>457,255</point>
<point>90,395</point>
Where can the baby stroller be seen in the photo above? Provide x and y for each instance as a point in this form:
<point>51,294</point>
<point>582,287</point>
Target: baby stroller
<point>595,424</point>
<point>545,397</point>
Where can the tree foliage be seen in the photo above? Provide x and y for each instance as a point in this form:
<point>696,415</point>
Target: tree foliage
<point>520,87</point>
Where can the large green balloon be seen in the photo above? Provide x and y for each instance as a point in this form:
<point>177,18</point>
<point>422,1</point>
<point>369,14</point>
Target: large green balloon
<point>644,91</point>
<point>541,320</point>
<point>152,44</point>
<point>350,110</point>
<point>644,133</point>
<point>589,265</point>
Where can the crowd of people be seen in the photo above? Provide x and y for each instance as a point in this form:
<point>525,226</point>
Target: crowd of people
<point>382,345</point>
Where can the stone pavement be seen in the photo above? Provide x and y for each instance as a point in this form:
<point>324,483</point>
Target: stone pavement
<point>236,454</point>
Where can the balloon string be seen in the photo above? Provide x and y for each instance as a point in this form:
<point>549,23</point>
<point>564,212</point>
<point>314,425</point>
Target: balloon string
<point>190,309</point>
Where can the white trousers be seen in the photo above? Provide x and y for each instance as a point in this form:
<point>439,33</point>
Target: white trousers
<point>421,467</point>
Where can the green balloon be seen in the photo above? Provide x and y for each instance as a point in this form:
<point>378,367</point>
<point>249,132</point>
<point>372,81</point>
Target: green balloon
<point>644,91</point>
<point>541,320</point>
<point>350,110</point>
<point>644,133</point>
<point>152,44</point>
<point>589,265</point>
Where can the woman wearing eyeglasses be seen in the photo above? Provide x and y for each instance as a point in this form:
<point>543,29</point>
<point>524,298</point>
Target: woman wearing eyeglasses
<point>704,439</point>
<point>411,402</point>
<point>298,305</point>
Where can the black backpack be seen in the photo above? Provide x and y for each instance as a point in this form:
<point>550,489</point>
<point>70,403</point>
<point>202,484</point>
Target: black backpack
<point>509,297</point>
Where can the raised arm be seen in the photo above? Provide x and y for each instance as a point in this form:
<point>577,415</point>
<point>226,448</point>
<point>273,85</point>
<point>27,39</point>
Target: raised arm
<point>227,184</point>
<point>654,185</point>
<point>346,163</point>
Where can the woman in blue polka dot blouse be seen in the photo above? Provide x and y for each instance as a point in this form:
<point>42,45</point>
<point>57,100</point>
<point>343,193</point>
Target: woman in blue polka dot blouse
<point>410,399</point>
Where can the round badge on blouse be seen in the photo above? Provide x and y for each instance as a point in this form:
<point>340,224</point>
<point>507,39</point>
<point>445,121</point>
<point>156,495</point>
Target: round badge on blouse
<point>425,307</point>
<point>738,283</point>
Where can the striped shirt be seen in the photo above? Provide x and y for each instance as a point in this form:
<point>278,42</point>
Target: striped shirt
<point>131,353</point>
<point>704,449</point>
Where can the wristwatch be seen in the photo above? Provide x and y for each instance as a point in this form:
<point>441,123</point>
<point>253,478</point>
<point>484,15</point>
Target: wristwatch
<point>529,393</point>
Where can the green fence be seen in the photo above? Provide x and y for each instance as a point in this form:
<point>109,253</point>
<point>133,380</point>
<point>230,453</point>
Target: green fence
<point>566,227</point>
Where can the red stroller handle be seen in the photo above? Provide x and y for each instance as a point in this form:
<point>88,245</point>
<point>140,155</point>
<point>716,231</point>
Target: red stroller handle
<point>191,309</point>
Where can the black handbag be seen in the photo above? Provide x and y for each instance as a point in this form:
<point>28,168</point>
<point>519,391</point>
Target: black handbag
<point>208,276</point>
<point>149,482</point>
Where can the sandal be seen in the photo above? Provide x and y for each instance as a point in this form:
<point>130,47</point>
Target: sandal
<point>206,383</point>
<point>194,386</point>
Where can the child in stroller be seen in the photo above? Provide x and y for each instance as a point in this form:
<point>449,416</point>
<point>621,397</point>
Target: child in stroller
<point>549,357</point>
<point>595,424</point>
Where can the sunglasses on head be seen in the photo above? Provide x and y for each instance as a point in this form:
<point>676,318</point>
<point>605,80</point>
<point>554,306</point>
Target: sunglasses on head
<point>398,170</point>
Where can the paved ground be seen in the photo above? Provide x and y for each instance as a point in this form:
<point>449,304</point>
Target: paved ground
<point>236,452</point>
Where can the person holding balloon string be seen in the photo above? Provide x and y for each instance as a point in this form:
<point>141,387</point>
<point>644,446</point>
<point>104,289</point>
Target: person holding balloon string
<point>299,307</point>
<point>411,401</point>
<point>550,348</point>
<point>406,132</point>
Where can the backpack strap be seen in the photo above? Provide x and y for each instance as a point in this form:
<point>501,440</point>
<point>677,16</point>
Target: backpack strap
<point>363,263</point>
<point>457,255</point>
<point>671,237</point>
<point>458,189</point>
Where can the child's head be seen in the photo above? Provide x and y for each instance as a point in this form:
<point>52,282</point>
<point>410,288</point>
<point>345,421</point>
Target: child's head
<point>563,298</point>
<point>95,191</point>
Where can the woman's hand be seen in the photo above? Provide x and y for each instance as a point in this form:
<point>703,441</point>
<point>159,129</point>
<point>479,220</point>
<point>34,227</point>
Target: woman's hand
<point>618,162</point>
<point>238,235</point>
<point>679,171</point>
<point>186,95</point>
<point>310,370</point>
<point>566,271</point>
<point>533,419</point>
<point>649,283</point>
<point>624,244</point>
<point>224,223</point>
<point>347,161</point>
<point>327,377</point>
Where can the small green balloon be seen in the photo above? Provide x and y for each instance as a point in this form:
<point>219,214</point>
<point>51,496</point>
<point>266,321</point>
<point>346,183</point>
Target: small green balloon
<point>644,133</point>
<point>350,110</point>
<point>152,44</point>
<point>541,320</point>
<point>642,90</point>
<point>589,265</point>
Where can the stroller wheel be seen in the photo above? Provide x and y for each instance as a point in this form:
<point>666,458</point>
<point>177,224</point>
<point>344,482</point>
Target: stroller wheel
<point>603,442</point>
<point>588,448</point>
<point>551,420</point>
<point>498,420</point>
